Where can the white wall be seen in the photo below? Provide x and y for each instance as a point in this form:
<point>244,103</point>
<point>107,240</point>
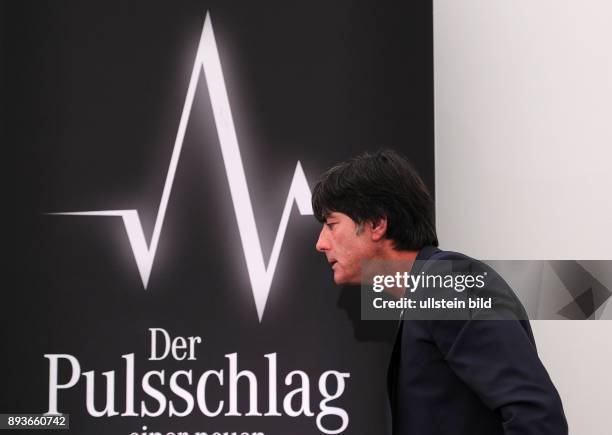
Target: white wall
<point>523,112</point>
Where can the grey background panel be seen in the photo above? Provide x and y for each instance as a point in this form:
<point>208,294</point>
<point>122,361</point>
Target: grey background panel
<point>523,133</point>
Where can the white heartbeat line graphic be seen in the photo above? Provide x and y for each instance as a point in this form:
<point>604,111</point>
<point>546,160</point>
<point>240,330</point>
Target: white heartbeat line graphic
<point>207,59</point>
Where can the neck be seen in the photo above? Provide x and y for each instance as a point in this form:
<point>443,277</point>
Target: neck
<point>402,255</point>
<point>389,253</point>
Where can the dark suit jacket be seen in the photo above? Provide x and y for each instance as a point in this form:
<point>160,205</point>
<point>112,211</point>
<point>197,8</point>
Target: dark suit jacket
<point>470,377</point>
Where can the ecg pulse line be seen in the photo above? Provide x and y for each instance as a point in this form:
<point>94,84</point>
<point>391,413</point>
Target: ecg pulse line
<point>207,59</point>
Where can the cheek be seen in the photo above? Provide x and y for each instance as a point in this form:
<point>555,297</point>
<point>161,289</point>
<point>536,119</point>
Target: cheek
<point>351,260</point>
<point>355,254</point>
<point>345,253</point>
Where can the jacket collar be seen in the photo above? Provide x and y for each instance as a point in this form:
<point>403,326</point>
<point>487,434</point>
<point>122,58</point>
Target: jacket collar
<point>426,253</point>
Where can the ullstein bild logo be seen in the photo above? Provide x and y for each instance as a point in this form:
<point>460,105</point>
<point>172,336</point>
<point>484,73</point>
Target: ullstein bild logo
<point>207,59</point>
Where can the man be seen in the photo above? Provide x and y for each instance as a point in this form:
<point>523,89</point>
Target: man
<point>470,376</point>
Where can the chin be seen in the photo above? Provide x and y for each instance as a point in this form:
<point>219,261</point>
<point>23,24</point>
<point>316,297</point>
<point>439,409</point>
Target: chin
<point>339,279</point>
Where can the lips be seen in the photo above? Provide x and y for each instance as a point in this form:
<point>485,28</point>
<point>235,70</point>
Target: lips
<point>332,262</point>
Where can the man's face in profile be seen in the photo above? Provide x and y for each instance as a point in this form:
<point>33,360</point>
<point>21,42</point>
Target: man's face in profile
<point>345,244</point>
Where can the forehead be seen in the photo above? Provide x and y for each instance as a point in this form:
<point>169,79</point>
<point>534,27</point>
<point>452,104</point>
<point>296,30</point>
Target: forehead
<point>338,216</point>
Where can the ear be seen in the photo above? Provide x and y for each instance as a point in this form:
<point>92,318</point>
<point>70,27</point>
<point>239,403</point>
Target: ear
<point>379,229</point>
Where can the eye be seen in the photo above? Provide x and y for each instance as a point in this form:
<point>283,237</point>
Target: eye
<point>330,225</point>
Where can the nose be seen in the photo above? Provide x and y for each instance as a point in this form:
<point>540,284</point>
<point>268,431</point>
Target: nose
<point>322,244</point>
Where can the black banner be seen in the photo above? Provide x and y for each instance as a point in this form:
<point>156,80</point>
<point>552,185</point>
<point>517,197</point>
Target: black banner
<point>165,278</point>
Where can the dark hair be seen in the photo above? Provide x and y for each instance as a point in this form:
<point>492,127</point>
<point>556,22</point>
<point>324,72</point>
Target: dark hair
<point>372,186</point>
